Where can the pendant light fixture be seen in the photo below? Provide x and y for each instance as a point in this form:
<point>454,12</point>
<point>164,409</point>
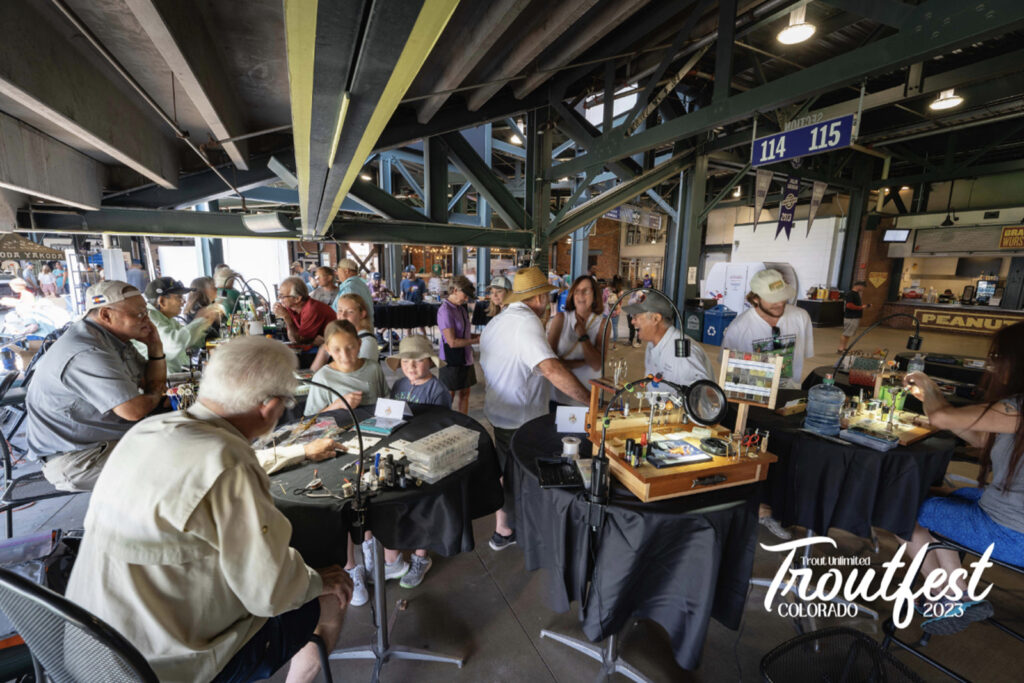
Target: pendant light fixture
<point>947,99</point>
<point>798,30</point>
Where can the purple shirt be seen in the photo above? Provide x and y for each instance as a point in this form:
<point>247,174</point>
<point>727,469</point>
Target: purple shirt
<point>456,319</point>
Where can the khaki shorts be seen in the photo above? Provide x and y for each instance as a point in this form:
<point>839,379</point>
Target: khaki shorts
<point>850,326</point>
<point>77,470</point>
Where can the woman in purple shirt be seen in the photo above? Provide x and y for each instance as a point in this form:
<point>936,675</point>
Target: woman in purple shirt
<point>458,375</point>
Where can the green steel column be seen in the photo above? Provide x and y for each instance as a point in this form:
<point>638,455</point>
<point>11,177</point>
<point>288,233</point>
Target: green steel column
<point>692,237</point>
<point>538,187</point>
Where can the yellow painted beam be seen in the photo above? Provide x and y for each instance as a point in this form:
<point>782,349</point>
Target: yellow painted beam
<point>430,23</point>
<point>300,42</point>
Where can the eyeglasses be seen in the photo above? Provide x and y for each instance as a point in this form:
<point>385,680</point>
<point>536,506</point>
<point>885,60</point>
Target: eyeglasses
<point>287,401</point>
<point>282,297</point>
<point>143,315</point>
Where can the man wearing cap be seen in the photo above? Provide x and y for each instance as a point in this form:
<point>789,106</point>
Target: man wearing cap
<point>379,289</point>
<point>413,285</point>
<point>652,318</point>
<point>351,283</point>
<point>516,360</point>
<point>771,325</point>
<point>305,318</point>
<point>165,302</point>
<point>92,386</point>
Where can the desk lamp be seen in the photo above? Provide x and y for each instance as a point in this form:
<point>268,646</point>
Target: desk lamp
<point>913,342</point>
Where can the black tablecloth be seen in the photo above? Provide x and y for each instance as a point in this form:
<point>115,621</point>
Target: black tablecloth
<point>433,516</point>
<point>663,561</point>
<point>480,316</point>
<point>828,313</point>
<point>818,483</point>
<point>405,316</point>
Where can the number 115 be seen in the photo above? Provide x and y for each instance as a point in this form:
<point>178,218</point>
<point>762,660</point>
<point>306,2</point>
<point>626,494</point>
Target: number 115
<point>825,136</point>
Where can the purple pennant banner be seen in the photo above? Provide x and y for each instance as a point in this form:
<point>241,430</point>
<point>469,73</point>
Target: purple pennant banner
<point>787,207</point>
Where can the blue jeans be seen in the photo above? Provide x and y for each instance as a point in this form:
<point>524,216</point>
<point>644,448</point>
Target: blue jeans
<point>614,322</point>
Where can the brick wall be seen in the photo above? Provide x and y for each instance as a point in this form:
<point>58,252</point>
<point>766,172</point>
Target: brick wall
<point>604,237</point>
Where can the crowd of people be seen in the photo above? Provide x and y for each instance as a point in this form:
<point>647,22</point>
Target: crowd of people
<point>204,519</point>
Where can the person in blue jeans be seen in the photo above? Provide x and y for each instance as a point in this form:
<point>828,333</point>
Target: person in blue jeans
<point>994,512</point>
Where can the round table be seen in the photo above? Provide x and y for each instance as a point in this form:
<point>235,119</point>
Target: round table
<point>820,483</point>
<point>678,562</point>
<point>405,316</point>
<point>436,516</point>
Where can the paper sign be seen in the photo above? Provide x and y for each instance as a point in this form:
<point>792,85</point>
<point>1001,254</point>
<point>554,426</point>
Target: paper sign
<point>691,275</point>
<point>391,409</point>
<point>569,419</point>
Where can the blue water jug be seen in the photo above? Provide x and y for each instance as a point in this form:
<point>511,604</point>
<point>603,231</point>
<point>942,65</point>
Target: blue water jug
<point>824,402</point>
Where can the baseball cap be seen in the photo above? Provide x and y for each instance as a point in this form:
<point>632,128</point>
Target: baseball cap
<point>108,292</point>
<point>501,282</point>
<point>375,276</point>
<point>770,286</point>
<point>164,286</point>
<point>653,303</point>
<point>348,264</point>
<point>410,268</point>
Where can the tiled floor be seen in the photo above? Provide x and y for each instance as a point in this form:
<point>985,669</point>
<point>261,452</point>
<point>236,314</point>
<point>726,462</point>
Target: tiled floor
<point>484,606</point>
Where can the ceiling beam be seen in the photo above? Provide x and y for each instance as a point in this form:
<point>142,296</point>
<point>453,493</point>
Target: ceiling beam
<point>219,224</point>
<point>202,186</point>
<point>888,12</point>
<point>560,16</point>
<point>935,27</point>
<point>383,203</point>
<point>37,165</point>
<point>488,24</point>
<point>620,194</point>
<point>189,50</point>
<point>66,97</point>
<point>462,154</point>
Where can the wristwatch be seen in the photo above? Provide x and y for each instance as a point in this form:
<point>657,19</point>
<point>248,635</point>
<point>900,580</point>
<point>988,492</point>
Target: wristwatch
<point>584,338</point>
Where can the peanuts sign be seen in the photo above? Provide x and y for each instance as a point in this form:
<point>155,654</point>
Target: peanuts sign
<point>979,323</point>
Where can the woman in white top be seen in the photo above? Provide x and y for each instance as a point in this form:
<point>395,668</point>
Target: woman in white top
<point>574,334</point>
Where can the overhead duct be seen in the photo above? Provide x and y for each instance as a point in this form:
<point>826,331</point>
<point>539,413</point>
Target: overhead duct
<point>268,223</point>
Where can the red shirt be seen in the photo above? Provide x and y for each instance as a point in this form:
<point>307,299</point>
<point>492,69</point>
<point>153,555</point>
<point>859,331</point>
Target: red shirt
<point>312,318</point>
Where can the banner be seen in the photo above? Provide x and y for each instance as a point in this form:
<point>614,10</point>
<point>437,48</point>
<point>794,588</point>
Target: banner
<point>787,207</point>
<point>817,194</point>
<point>764,181</point>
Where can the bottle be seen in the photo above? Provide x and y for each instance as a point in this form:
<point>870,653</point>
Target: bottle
<point>916,363</point>
<point>824,403</point>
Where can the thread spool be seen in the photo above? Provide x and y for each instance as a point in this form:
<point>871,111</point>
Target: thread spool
<point>570,446</point>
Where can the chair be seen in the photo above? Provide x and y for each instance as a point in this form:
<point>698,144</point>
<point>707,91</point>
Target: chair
<point>67,642</point>
<point>834,655</point>
<point>889,627</point>
<point>14,397</point>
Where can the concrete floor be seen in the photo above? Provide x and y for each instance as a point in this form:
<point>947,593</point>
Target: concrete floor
<point>484,606</point>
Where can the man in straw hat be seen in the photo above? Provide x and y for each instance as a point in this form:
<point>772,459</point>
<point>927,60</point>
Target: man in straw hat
<point>516,360</point>
<point>92,386</point>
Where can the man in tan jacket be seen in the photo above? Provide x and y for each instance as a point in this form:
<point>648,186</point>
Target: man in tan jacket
<point>184,551</point>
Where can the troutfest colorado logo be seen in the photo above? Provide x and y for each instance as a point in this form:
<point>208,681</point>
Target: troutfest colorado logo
<point>850,579</point>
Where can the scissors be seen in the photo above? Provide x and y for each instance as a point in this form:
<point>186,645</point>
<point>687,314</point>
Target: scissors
<point>751,440</point>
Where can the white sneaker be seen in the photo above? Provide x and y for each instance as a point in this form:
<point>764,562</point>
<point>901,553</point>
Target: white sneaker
<point>396,569</point>
<point>360,596</point>
<point>368,558</point>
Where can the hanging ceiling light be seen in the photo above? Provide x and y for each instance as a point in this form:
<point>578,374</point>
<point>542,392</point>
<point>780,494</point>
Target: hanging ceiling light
<point>737,192</point>
<point>798,30</point>
<point>947,99</point>
<point>366,176</point>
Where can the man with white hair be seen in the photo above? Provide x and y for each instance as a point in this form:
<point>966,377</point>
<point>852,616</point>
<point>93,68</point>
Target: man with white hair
<point>92,386</point>
<point>351,283</point>
<point>184,552</point>
<point>652,318</point>
<point>516,359</point>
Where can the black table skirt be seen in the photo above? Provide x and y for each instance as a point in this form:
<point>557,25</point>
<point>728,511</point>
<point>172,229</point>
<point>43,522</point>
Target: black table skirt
<point>405,316</point>
<point>437,516</point>
<point>664,561</point>
<point>818,483</point>
<point>827,313</point>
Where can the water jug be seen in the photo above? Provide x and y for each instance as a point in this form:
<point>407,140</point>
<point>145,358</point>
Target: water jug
<point>824,402</point>
<point>916,363</point>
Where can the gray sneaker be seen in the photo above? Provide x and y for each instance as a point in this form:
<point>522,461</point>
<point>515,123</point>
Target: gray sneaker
<point>775,526</point>
<point>417,570</point>
<point>360,596</point>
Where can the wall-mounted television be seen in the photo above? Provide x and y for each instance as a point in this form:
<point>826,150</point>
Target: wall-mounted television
<point>896,235</point>
<point>976,266</point>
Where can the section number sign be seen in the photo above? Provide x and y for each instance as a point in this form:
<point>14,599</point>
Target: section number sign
<point>804,141</point>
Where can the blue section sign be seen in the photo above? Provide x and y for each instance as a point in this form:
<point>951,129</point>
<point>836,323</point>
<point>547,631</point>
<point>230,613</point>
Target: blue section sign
<point>804,141</point>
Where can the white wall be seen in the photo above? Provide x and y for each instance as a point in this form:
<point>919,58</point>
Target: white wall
<point>815,258</point>
<point>178,262</point>
<point>262,259</point>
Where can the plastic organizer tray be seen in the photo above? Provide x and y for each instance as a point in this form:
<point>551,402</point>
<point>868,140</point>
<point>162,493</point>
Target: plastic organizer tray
<point>436,474</point>
<point>436,451</point>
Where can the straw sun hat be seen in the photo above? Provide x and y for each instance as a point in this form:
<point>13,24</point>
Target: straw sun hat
<point>528,283</point>
<point>414,347</point>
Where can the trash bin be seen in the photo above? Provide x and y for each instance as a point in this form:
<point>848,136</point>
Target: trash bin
<point>693,323</point>
<point>715,321</point>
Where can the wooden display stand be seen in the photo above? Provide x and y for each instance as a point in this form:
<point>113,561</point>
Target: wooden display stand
<point>649,483</point>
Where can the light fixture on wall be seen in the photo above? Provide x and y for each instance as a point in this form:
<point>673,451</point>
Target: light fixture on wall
<point>947,99</point>
<point>798,30</point>
<point>737,192</point>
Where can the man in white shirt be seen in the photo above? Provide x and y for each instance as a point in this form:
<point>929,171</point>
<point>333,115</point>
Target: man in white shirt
<point>771,325</point>
<point>184,552</point>
<point>518,363</point>
<point>652,318</point>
